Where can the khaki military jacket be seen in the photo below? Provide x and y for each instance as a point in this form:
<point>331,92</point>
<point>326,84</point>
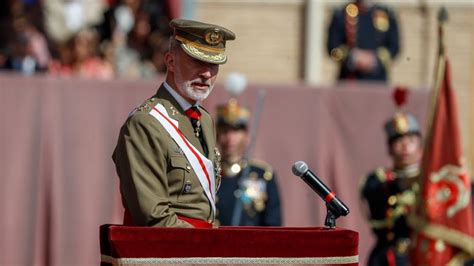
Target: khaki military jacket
<point>157,182</point>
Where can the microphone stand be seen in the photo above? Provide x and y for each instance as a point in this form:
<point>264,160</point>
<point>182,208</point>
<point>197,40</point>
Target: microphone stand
<point>330,221</point>
<point>331,215</point>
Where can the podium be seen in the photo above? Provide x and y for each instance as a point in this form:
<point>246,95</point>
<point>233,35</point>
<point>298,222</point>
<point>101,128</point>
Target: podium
<point>132,245</point>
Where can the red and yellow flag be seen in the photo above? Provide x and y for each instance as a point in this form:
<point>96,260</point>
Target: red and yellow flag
<point>443,219</point>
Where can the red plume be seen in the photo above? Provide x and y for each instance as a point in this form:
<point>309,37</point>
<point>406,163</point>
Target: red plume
<point>400,95</point>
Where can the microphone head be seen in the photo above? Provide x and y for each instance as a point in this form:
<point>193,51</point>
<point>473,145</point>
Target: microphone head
<point>299,168</point>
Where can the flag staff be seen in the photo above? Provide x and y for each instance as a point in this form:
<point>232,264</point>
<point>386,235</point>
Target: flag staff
<point>439,74</point>
<point>441,64</point>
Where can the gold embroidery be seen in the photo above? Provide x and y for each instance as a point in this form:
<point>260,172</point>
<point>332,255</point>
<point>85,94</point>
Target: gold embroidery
<point>196,52</point>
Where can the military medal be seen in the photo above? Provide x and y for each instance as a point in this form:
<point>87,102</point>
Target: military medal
<point>254,192</point>
<point>197,128</point>
<point>218,168</point>
<point>194,115</point>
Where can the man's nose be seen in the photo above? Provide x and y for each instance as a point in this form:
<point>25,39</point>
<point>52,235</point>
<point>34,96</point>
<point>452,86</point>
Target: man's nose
<point>406,146</point>
<point>205,73</point>
<point>207,70</point>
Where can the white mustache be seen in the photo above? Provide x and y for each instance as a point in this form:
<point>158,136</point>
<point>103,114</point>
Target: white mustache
<point>206,82</point>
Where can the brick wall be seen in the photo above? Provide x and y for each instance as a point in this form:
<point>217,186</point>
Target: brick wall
<point>268,45</point>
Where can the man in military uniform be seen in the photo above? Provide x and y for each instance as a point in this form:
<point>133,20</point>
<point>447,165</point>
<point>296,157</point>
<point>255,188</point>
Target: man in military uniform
<point>248,195</point>
<point>363,38</point>
<point>165,155</point>
<point>390,192</point>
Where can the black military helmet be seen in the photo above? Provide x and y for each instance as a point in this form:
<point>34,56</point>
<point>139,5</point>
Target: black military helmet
<point>401,123</point>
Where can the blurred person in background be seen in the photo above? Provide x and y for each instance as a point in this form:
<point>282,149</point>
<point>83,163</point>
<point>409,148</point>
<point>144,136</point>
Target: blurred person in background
<point>363,38</point>
<point>4,32</point>
<point>29,51</point>
<point>134,37</point>
<point>86,60</point>
<point>63,19</point>
<point>80,57</point>
<point>63,63</point>
<point>390,193</point>
<point>248,194</point>
<point>3,57</point>
<point>159,43</point>
<point>32,10</point>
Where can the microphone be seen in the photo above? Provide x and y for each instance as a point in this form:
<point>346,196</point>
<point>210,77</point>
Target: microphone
<point>336,206</point>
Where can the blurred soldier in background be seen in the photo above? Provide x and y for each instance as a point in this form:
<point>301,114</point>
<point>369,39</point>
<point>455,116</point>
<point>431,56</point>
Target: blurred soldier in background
<point>363,38</point>
<point>248,194</point>
<point>390,192</point>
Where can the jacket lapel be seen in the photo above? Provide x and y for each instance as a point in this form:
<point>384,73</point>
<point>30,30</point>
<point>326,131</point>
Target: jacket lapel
<point>177,113</point>
<point>207,128</point>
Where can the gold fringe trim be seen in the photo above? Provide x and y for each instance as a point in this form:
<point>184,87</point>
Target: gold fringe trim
<point>459,259</point>
<point>453,237</point>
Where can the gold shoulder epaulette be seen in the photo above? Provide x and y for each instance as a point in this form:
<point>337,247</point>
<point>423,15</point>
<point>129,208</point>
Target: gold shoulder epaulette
<point>380,173</point>
<point>147,105</point>
<point>268,169</point>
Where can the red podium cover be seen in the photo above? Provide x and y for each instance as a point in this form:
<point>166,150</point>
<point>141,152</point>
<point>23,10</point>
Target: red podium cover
<point>129,245</point>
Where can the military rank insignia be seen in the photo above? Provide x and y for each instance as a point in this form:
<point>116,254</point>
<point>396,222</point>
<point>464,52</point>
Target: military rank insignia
<point>173,111</point>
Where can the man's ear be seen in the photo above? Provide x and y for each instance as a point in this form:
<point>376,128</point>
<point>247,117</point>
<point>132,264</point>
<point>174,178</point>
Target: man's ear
<point>170,61</point>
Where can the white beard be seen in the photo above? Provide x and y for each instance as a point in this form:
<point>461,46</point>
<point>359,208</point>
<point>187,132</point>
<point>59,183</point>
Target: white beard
<point>186,88</point>
<point>197,96</point>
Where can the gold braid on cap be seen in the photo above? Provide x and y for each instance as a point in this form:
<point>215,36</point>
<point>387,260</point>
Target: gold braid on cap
<point>198,45</point>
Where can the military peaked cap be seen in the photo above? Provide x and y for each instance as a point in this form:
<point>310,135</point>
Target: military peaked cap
<point>203,41</point>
